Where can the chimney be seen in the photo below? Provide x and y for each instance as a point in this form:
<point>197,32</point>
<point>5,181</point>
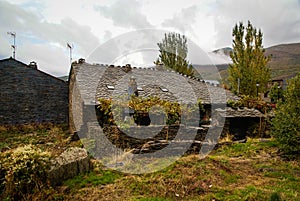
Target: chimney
<point>33,65</point>
<point>127,68</point>
<point>81,61</point>
<point>132,87</point>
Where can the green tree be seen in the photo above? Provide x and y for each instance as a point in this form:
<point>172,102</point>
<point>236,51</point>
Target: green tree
<point>276,93</point>
<point>248,74</point>
<point>286,124</point>
<point>173,52</point>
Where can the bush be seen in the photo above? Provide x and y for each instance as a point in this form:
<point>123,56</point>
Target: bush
<point>250,102</point>
<point>286,124</point>
<point>22,171</point>
<point>138,105</point>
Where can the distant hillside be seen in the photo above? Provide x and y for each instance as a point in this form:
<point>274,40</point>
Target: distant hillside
<point>226,51</point>
<point>285,60</point>
<point>207,73</point>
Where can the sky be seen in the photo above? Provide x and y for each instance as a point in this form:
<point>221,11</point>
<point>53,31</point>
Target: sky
<point>44,27</point>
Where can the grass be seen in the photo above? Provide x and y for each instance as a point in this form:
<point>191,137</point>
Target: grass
<point>96,178</point>
<point>151,199</point>
<point>48,137</point>
<point>246,171</point>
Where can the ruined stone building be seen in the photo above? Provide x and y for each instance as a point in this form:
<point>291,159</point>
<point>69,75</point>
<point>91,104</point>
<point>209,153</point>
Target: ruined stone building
<point>90,82</point>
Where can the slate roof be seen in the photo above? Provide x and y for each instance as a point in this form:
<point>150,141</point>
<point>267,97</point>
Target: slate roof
<point>93,81</point>
<point>245,112</point>
<point>11,62</point>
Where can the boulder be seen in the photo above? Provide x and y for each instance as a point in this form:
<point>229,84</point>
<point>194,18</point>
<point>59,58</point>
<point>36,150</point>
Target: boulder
<point>70,163</point>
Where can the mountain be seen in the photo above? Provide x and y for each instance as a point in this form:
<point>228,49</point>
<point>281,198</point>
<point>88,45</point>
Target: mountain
<point>207,73</point>
<point>284,63</point>
<point>285,60</point>
<point>225,51</point>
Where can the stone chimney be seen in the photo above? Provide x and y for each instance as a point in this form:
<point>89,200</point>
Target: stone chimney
<point>33,65</point>
<point>81,61</point>
<point>132,87</point>
<point>127,68</point>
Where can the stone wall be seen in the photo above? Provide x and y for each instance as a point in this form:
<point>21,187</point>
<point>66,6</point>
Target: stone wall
<point>29,95</point>
<point>70,163</point>
<point>144,139</point>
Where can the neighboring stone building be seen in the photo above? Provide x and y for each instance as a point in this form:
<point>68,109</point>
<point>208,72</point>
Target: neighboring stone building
<point>28,95</point>
<point>240,123</point>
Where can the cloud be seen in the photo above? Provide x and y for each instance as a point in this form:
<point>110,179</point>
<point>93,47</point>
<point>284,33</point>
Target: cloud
<point>5,42</point>
<point>279,20</point>
<point>68,30</point>
<point>125,13</point>
<point>49,59</point>
<point>141,42</point>
<point>107,35</point>
<point>195,22</point>
<point>184,20</point>
<point>44,27</point>
<point>52,37</point>
<point>219,58</point>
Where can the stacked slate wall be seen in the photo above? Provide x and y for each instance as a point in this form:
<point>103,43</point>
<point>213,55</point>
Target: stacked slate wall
<point>29,95</point>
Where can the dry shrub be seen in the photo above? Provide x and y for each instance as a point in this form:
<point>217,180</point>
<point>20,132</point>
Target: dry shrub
<point>22,171</point>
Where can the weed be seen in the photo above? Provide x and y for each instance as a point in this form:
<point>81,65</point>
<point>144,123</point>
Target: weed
<point>275,197</point>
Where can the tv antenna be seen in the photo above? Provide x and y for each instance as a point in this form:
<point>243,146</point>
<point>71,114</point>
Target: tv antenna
<point>13,34</point>
<point>70,46</point>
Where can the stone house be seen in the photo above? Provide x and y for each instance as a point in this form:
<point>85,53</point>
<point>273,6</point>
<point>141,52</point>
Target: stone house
<point>282,83</point>
<point>28,95</point>
<point>89,82</point>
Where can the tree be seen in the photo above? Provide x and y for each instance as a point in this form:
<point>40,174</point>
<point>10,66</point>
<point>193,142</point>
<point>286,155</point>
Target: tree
<point>173,52</point>
<point>248,74</point>
<point>286,124</point>
<point>276,93</point>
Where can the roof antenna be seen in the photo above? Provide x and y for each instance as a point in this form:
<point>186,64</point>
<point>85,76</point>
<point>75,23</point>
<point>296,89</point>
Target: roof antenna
<point>13,34</point>
<point>70,46</point>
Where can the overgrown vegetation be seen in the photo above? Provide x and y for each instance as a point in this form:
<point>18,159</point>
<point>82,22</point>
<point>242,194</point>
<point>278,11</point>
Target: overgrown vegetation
<point>48,137</point>
<point>245,171</point>
<point>112,111</point>
<point>286,124</point>
<point>250,102</point>
<point>23,171</point>
<point>25,152</point>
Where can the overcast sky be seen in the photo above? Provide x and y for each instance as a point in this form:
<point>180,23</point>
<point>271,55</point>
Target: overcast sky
<point>44,27</point>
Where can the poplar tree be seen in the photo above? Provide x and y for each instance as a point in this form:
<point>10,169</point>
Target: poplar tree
<point>249,73</point>
<point>173,52</point>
